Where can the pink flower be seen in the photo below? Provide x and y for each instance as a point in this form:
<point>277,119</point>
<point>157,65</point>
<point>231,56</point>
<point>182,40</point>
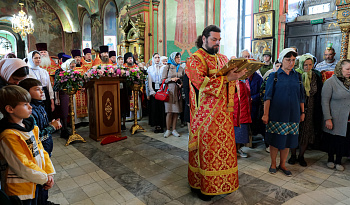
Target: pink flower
<point>100,72</point>
<point>132,70</point>
<point>95,72</point>
<point>118,71</point>
<point>61,74</point>
<point>127,73</point>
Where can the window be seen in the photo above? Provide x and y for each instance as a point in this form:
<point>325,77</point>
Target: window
<point>5,46</point>
<point>246,24</point>
<point>110,26</point>
<point>86,32</point>
<point>229,27</point>
<point>319,8</point>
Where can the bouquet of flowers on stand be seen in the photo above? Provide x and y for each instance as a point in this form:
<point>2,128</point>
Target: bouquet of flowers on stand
<point>135,76</point>
<point>132,76</point>
<point>103,71</point>
<point>70,81</point>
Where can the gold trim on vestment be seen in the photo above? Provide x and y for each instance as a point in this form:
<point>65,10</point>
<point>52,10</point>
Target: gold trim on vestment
<point>213,71</point>
<point>213,173</point>
<point>218,193</point>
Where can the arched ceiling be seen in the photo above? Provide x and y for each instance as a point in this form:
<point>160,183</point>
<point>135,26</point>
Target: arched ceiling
<point>67,10</point>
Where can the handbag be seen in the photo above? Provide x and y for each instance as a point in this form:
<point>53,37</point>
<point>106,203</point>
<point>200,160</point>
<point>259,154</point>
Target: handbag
<point>163,93</point>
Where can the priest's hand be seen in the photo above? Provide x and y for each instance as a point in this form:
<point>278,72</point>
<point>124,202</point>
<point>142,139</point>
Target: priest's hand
<point>232,75</point>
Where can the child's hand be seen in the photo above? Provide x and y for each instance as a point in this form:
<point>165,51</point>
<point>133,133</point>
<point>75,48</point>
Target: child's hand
<point>50,182</point>
<point>56,124</point>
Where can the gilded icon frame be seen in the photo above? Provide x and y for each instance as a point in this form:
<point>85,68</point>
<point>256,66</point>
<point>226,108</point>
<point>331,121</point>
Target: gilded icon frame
<point>260,46</point>
<point>265,29</point>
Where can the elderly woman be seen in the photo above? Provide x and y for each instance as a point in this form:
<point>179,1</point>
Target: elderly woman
<point>156,107</point>
<point>164,60</point>
<point>310,128</point>
<point>62,99</point>
<point>283,110</point>
<point>336,114</point>
<point>34,60</point>
<point>172,74</point>
<point>12,71</point>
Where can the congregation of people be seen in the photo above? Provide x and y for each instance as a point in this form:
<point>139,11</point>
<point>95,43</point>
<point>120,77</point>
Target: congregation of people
<point>295,103</point>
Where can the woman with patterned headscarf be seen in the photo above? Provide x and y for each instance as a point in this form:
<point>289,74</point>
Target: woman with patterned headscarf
<point>172,74</point>
<point>336,114</point>
<point>156,107</point>
<point>309,130</point>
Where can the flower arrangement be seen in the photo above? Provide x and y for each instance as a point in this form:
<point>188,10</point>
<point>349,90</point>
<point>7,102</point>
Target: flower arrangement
<point>133,75</point>
<point>104,71</point>
<point>70,80</point>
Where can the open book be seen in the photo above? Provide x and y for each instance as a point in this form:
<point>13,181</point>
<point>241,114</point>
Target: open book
<point>241,63</point>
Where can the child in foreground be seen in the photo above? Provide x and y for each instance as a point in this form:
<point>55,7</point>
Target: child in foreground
<point>46,128</point>
<point>29,165</point>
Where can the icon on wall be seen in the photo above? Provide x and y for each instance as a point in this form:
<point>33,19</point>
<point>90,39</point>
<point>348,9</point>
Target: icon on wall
<point>263,25</point>
<point>259,47</point>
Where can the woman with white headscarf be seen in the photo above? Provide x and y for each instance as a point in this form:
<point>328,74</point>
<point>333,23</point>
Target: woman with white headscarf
<point>156,107</point>
<point>62,99</point>
<point>12,71</point>
<point>283,110</point>
<point>34,60</point>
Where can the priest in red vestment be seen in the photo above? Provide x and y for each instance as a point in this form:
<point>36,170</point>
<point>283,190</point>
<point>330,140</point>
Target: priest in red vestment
<point>87,61</point>
<point>212,148</point>
<point>104,60</point>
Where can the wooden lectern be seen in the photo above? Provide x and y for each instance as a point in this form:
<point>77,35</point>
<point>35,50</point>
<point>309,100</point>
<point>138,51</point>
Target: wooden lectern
<point>104,107</point>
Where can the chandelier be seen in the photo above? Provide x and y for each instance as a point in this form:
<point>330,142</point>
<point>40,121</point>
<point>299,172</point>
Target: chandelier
<point>22,24</point>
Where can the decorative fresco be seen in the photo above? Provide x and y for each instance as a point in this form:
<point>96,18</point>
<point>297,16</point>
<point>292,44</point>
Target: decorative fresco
<point>183,24</point>
<point>96,33</point>
<point>48,28</point>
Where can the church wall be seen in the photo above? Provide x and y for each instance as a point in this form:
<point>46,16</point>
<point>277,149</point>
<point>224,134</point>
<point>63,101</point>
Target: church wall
<point>47,25</point>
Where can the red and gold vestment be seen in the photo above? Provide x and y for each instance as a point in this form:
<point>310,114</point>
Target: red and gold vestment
<point>212,147</point>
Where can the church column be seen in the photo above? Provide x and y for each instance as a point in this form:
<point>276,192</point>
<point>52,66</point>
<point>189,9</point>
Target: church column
<point>344,41</point>
<point>343,19</point>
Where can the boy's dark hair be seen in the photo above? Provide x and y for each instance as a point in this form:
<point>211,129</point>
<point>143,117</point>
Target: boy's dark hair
<point>12,95</point>
<point>29,83</point>
<point>21,72</point>
<point>206,33</point>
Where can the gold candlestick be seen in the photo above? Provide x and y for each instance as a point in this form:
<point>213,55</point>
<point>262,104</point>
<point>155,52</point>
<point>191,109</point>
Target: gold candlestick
<point>136,88</point>
<point>74,136</point>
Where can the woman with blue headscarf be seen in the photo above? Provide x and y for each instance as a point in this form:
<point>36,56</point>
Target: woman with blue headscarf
<point>172,74</point>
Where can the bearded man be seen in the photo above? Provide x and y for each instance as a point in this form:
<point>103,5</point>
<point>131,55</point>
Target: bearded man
<point>46,62</point>
<point>104,60</point>
<point>212,166</point>
<point>76,54</point>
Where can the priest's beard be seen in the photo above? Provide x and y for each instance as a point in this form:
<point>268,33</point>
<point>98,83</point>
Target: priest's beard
<point>130,64</point>
<point>45,61</point>
<point>211,50</point>
<point>104,59</point>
